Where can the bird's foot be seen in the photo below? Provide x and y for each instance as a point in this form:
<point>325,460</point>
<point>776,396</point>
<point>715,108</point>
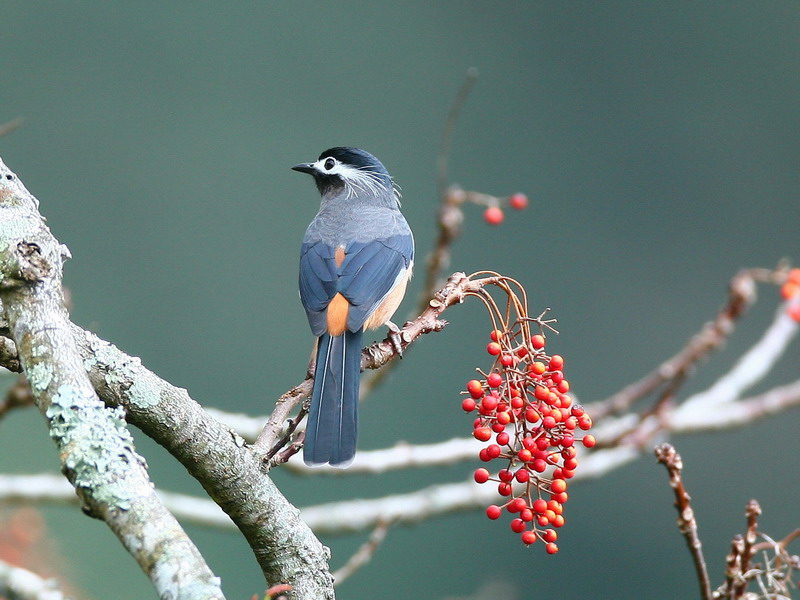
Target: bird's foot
<point>396,338</point>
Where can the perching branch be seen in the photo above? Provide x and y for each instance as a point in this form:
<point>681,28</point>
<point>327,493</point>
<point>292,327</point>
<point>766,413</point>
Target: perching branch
<point>95,447</point>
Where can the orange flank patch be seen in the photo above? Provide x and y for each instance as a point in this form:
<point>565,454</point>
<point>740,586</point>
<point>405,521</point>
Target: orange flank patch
<point>338,256</point>
<point>337,315</point>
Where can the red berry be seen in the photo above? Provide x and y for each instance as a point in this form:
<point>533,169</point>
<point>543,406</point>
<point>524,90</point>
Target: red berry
<point>484,455</point>
<point>523,475</point>
<point>505,475</point>
<point>518,525</point>
<point>468,404</point>
<point>558,485</point>
<point>539,505</point>
<point>549,535</point>
<point>496,335</point>
<point>585,422</point>
<point>493,512</point>
<point>541,393</point>
<point>493,348</point>
<point>548,423</point>
<point>493,451</point>
<point>502,438</point>
<point>489,403</point>
<point>516,505</point>
<point>589,441</point>
<point>551,548</point>
<point>537,341</point>
<point>528,537</point>
<point>482,434</point>
<point>556,363</point>
<point>526,514</point>
<point>539,465</point>
<point>493,215</point>
<point>475,388</point>
<point>522,352</point>
<point>524,455</point>
<point>481,475</point>
<point>504,489</point>
<point>494,380</point>
<point>507,360</point>
<point>518,201</point>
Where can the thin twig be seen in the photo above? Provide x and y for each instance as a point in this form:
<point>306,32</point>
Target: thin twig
<point>10,126</point>
<point>669,457</point>
<point>364,553</point>
<point>449,128</point>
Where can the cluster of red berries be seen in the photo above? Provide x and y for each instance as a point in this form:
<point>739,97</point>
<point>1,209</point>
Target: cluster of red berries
<point>494,215</point>
<point>523,403</point>
<point>791,289</point>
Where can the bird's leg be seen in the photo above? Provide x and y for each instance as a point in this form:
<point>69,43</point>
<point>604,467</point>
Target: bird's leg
<point>395,338</point>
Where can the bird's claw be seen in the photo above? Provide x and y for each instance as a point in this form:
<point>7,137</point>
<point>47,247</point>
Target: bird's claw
<point>395,338</point>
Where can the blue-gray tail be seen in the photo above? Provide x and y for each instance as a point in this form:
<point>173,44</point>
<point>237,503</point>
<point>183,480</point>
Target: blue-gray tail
<point>333,417</point>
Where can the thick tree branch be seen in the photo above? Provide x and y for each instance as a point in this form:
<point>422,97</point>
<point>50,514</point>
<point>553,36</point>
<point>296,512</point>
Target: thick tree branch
<point>95,447</point>
<point>219,459</point>
<point>284,546</point>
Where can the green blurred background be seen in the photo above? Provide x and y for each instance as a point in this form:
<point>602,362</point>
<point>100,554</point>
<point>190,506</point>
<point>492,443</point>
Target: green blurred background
<point>658,143</point>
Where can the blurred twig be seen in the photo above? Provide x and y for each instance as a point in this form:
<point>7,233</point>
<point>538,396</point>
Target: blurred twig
<point>364,553</point>
<point>10,126</point>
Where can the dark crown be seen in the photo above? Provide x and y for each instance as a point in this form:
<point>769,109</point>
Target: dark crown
<point>356,157</point>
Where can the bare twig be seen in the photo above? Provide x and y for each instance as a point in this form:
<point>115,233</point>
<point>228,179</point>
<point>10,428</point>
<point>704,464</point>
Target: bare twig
<point>668,456</point>
<point>364,553</point>
<point>742,294</point>
<point>450,126</point>
<point>18,395</point>
<point>10,126</point>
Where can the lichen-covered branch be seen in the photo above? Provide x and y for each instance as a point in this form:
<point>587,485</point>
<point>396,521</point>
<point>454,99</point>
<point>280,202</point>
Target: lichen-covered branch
<point>94,444</point>
<point>232,474</point>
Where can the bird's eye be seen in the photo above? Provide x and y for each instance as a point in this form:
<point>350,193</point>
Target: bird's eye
<point>329,164</point>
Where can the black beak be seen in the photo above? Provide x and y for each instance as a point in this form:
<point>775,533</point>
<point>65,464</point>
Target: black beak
<point>305,168</point>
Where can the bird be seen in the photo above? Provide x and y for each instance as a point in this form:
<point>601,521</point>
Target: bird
<point>356,259</point>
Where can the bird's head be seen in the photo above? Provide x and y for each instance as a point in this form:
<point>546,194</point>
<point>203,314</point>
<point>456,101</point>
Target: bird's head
<point>352,170</point>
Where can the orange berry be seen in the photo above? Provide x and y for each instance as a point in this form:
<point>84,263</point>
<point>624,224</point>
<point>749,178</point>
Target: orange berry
<point>790,289</point>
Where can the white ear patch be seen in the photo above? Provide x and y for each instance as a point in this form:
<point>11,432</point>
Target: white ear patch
<point>356,181</point>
